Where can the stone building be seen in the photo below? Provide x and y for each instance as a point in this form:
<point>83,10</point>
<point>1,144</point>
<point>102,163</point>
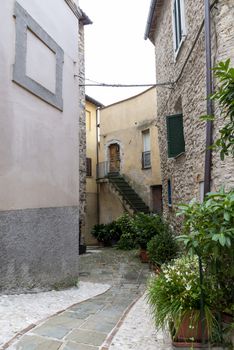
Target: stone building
<point>129,167</point>
<point>176,28</point>
<point>83,20</point>
<point>40,60</point>
<point>92,209</point>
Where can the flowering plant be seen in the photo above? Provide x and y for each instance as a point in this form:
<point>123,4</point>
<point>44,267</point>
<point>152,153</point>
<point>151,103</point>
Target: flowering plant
<point>176,291</point>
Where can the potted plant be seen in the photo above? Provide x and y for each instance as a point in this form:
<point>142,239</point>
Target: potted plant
<point>174,298</point>
<point>146,226</point>
<point>209,232</point>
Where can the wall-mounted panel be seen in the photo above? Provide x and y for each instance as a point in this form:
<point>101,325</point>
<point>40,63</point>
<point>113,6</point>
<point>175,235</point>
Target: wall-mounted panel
<point>30,48</point>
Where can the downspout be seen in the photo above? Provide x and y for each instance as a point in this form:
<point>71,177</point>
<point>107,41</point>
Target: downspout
<point>208,154</point>
<point>209,106</point>
<point>97,165</point>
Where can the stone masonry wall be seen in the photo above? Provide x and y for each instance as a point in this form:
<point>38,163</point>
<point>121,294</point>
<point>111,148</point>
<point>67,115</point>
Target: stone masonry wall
<point>188,96</point>
<point>223,15</point>
<point>82,134</point>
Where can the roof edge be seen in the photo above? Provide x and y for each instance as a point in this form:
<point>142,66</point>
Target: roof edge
<point>80,15</point>
<point>95,102</point>
<point>150,18</point>
<point>84,18</point>
<point>129,98</point>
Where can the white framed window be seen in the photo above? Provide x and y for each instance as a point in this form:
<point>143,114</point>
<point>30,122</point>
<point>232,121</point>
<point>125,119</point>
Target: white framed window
<point>146,154</point>
<point>179,29</point>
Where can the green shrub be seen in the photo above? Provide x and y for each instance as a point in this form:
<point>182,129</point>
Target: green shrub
<point>128,234</point>
<point>127,242</point>
<point>163,247</point>
<point>99,232</point>
<point>106,233</point>
<point>146,227</point>
<point>113,231</point>
<point>126,223</point>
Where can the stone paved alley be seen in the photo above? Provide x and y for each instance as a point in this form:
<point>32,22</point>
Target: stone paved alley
<point>118,319</point>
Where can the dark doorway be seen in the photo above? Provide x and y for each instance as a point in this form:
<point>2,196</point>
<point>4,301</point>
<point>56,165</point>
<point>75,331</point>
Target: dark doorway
<point>157,198</point>
<point>114,158</point>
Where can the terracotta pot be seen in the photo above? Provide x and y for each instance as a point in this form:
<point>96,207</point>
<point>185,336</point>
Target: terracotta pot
<point>187,345</point>
<point>190,329</point>
<point>144,256</point>
<point>155,268</point>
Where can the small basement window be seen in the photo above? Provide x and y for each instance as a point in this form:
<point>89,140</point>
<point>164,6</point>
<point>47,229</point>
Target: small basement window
<point>175,135</point>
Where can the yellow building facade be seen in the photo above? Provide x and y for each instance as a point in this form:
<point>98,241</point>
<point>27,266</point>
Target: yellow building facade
<point>91,108</point>
<point>129,147</point>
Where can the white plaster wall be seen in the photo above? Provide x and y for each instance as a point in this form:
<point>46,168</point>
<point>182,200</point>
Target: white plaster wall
<point>59,22</point>
<point>39,55</point>
<point>38,143</point>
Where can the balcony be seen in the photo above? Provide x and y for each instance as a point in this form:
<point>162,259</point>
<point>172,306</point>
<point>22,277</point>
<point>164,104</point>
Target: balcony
<point>103,169</point>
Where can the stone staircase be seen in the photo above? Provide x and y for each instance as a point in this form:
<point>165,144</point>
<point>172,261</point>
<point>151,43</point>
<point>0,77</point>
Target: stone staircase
<point>127,193</point>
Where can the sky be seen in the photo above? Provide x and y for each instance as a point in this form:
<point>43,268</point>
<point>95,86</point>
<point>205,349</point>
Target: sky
<point>115,49</point>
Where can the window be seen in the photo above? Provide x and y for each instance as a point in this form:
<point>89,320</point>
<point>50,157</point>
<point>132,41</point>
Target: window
<point>178,23</point>
<point>169,192</point>
<point>88,167</point>
<point>175,135</point>
<point>146,154</point>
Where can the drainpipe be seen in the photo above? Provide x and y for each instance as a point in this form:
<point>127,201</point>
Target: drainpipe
<point>97,166</point>
<point>209,90</point>
<point>208,154</point>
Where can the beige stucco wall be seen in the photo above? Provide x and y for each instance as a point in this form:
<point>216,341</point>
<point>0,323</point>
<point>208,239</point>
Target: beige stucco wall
<point>124,122</point>
<point>91,185</point>
<point>189,97</point>
<point>39,143</point>
<point>91,142</point>
<point>111,205</point>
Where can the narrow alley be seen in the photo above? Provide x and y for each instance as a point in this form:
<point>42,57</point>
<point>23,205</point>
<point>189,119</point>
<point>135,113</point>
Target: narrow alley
<point>117,319</point>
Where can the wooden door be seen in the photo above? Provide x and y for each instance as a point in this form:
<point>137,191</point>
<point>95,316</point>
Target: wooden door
<point>114,158</point>
<point>157,198</point>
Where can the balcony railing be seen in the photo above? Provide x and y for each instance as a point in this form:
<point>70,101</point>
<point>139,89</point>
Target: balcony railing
<point>103,169</point>
<point>146,160</point>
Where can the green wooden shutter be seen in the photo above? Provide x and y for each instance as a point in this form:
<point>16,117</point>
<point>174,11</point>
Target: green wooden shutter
<point>175,135</point>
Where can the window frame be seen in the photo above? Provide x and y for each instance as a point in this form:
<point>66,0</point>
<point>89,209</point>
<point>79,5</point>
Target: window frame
<point>179,25</point>
<point>148,151</point>
<point>88,167</point>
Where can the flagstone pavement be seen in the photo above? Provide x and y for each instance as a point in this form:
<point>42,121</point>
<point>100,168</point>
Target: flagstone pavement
<point>118,319</point>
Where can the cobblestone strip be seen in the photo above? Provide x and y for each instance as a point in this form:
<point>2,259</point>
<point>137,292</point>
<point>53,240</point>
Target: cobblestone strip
<point>34,325</point>
<point>108,341</point>
<point>83,326</point>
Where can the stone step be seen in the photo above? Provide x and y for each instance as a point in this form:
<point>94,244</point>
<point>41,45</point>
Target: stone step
<point>127,193</point>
